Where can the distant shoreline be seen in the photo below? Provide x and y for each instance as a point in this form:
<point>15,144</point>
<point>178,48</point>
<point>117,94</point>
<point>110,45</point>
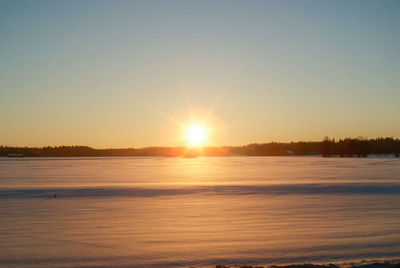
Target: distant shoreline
<point>381,264</point>
<point>162,156</point>
<point>349,147</point>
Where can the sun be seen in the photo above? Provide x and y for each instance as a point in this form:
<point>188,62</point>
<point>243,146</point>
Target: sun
<point>196,134</point>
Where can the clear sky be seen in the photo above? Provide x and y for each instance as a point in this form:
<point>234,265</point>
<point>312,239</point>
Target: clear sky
<point>129,73</point>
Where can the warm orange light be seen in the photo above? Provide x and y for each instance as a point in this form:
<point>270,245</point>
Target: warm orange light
<point>196,135</point>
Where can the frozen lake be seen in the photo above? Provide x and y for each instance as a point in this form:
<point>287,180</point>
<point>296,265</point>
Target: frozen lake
<point>168,212</point>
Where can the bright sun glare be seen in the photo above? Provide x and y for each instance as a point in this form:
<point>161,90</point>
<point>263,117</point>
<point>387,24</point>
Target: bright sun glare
<point>196,135</point>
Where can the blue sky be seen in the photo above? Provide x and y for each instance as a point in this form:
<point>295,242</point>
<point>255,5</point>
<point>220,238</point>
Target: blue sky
<point>123,73</point>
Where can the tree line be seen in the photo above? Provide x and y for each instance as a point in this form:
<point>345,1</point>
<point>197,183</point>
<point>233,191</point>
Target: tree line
<point>349,147</point>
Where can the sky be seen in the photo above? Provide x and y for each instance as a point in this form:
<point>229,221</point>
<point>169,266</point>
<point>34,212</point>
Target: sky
<point>135,73</point>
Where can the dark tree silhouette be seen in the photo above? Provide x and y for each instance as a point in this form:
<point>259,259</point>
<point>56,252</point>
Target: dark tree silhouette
<point>349,147</point>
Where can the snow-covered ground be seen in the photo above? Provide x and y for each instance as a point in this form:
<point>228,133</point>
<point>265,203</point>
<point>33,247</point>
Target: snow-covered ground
<point>169,212</point>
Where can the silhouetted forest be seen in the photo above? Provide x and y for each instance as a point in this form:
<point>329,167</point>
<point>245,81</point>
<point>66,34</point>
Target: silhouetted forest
<point>349,147</point>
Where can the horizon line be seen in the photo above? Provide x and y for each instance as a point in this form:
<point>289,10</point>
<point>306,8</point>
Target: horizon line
<point>209,146</point>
